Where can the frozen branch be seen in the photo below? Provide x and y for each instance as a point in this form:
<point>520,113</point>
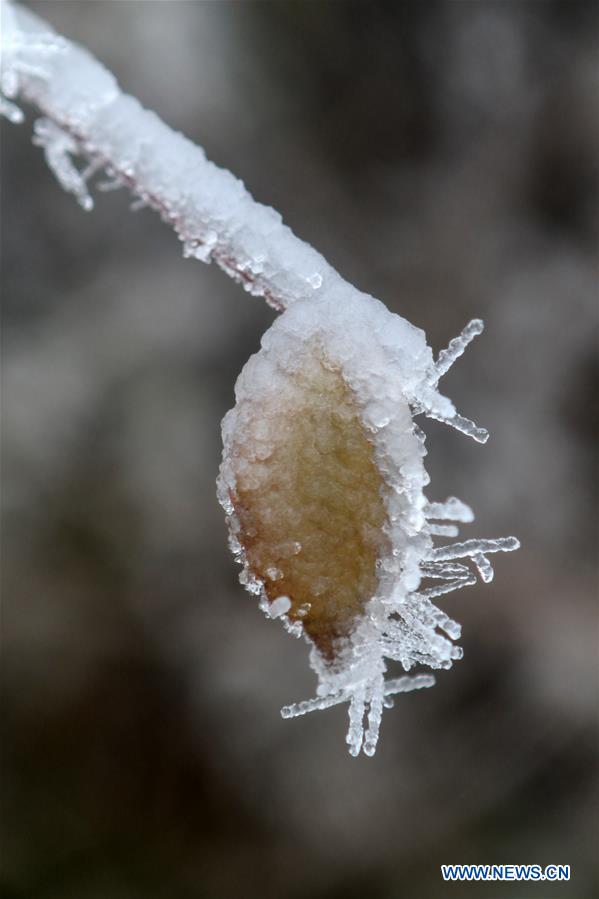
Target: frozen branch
<point>336,358</point>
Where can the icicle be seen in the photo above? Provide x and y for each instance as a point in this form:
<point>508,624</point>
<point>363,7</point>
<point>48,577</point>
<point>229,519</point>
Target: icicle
<point>375,714</point>
<point>11,111</point>
<point>429,615</point>
<point>470,548</point>
<point>464,425</point>
<point>314,705</point>
<point>355,731</point>
<point>456,347</point>
<point>444,570</point>
<point>453,509</point>
<point>377,694</point>
<point>407,683</point>
<point>449,587</point>
<point>443,530</point>
<point>484,567</point>
<point>58,147</point>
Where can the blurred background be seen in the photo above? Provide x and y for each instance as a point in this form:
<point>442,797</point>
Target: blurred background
<point>442,156</point>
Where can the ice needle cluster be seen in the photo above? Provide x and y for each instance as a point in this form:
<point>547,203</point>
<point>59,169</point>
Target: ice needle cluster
<point>322,477</point>
<point>323,483</point>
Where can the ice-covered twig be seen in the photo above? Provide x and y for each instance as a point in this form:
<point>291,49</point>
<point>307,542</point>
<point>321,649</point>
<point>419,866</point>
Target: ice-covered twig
<point>364,374</point>
<point>85,113</point>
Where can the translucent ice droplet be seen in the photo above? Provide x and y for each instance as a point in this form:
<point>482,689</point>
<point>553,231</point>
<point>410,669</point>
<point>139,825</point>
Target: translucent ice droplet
<point>280,606</point>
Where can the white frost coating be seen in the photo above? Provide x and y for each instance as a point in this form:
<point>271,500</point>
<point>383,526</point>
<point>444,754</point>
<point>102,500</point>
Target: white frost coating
<point>384,360</point>
<point>211,211</point>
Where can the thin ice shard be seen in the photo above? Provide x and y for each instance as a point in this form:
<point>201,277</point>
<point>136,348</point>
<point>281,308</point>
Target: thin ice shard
<point>375,713</point>
<point>295,710</point>
<point>11,111</point>
<point>444,570</point>
<point>443,530</point>
<point>484,567</point>
<point>456,347</point>
<point>404,684</point>
<point>355,733</point>
<point>59,147</point>
<point>452,509</point>
<point>481,435</point>
<point>471,548</point>
<point>449,587</point>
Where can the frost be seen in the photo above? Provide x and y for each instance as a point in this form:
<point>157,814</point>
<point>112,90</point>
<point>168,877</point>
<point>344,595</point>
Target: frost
<point>387,367</point>
<point>322,441</point>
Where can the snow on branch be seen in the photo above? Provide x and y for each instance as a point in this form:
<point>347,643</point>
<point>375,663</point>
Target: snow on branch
<point>322,476</point>
<point>87,115</point>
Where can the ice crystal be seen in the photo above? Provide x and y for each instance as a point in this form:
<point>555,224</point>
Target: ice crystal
<point>322,478</point>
